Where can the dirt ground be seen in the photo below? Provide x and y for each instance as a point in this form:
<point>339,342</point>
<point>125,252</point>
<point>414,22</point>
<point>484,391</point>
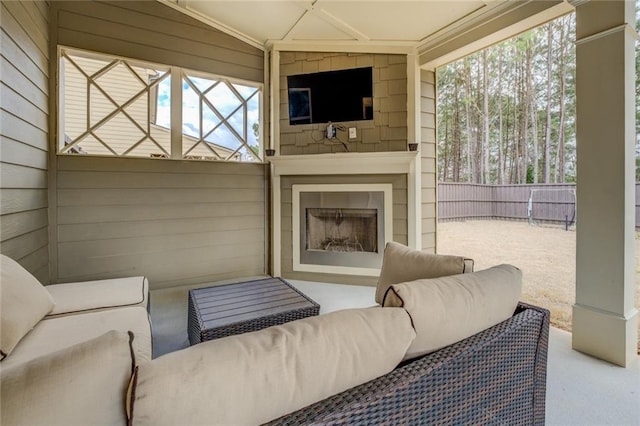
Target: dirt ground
<point>545,254</point>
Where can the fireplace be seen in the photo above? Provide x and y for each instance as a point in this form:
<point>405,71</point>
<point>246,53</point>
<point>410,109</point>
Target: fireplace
<point>341,228</point>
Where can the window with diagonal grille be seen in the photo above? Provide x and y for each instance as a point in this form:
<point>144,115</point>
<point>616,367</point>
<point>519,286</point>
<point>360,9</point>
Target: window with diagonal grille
<point>219,118</point>
<point>121,107</point>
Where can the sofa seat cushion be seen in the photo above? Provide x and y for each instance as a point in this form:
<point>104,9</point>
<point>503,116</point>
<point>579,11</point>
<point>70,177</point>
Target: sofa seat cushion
<point>51,335</point>
<point>448,309</point>
<point>256,377</point>
<point>23,302</point>
<point>92,296</point>
<point>401,264</point>
<point>83,384</point>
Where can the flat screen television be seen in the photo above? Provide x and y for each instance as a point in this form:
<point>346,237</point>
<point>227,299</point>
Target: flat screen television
<point>336,96</point>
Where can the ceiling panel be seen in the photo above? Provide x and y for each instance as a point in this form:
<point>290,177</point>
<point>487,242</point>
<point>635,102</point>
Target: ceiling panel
<point>260,20</point>
<point>318,27</point>
<point>398,20</point>
<point>401,22</point>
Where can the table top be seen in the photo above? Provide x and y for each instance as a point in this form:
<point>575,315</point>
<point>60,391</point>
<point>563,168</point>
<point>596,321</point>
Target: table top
<point>222,305</point>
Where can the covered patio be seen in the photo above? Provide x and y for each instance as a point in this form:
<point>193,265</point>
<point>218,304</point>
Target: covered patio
<point>183,219</point>
<point>581,390</point>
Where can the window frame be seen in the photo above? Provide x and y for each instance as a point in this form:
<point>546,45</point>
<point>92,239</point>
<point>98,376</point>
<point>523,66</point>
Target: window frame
<point>177,138</point>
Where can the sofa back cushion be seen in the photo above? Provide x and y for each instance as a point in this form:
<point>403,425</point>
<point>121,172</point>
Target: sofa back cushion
<point>84,384</point>
<point>448,309</point>
<point>256,377</point>
<point>401,264</point>
<point>23,302</point>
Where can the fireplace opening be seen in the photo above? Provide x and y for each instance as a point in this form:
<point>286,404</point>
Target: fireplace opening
<point>342,230</point>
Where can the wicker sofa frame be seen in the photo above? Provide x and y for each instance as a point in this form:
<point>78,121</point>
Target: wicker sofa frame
<point>497,376</point>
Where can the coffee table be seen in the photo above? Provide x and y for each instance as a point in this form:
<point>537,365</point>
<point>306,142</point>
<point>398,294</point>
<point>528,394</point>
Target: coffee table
<point>236,308</point>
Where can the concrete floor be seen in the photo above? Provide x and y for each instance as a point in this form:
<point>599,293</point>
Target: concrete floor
<point>580,390</point>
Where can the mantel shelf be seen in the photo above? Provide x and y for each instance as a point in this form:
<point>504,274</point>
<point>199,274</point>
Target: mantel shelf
<point>345,163</point>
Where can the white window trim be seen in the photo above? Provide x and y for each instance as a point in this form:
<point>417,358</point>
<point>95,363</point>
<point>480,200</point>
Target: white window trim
<point>177,74</point>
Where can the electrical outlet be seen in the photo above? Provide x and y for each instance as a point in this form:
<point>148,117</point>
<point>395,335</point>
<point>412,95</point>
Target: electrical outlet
<point>352,132</point>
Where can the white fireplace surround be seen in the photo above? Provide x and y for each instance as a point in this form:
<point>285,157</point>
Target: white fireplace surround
<point>387,226</point>
<point>382,163</point>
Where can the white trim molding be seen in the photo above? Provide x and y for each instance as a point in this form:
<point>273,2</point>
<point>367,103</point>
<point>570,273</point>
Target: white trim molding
<point>373,163</point>
<point>344,163</point>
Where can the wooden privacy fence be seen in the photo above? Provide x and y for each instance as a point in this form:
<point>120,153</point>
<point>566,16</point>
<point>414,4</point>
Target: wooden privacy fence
<point>551,203</point>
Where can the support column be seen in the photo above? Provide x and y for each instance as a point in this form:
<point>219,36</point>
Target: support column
<point>604,316</point>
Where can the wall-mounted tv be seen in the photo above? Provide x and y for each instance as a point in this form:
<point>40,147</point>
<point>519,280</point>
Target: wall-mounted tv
<point>336,96</point>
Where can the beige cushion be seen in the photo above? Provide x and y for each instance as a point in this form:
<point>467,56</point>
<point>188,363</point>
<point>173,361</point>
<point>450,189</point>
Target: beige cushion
<point>84,384</point>
<point>256,377</point>
<point>23,302</point>
<point>92,296</point>
<point>51,335</point>
<point>401,264</point>
<point>448,309</point>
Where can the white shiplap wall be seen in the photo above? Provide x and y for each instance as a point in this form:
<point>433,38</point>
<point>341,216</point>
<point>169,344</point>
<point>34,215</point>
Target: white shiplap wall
<point>24,111</point>
<point>177,222</point>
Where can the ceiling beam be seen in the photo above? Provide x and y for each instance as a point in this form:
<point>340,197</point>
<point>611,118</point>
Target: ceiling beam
<point>341,25</point>
<point>488,27</point>
<point>400,48</point>
<point>308,9</point>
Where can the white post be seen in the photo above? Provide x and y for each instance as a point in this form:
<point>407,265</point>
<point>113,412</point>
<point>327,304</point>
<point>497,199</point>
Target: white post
<point>604,317</point>
<point>176,113</point>
<point>414,177</point>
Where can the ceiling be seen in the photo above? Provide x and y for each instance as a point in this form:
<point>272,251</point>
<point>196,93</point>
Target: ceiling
<point>409,24</point>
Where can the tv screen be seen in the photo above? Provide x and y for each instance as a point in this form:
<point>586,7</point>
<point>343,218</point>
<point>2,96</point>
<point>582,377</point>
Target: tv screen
<point>344,95</point>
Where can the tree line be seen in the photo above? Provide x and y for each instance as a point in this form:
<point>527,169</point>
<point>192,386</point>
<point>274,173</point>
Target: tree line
<point>506,114</point>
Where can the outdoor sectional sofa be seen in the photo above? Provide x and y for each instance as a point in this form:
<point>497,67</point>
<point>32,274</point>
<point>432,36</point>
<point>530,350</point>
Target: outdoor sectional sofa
<point>379,365</point>
<point>496,377</point>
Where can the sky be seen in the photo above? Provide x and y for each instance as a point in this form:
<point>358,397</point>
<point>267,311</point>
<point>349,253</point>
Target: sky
<point>220,97</point>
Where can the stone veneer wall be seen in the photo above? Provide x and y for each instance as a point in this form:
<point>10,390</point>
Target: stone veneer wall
<point>388,129</point>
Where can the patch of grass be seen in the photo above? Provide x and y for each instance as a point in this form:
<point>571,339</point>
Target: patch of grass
<point>546,255</point>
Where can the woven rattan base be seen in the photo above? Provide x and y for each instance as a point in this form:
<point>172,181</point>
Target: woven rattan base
<point>230,309</point>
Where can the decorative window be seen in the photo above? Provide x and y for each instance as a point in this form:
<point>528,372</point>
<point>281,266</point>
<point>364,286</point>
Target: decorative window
<point>122,107</point>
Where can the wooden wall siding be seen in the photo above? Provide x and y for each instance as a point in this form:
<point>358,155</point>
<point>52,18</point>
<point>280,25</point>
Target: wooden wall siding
<point>386,132</point>
<point>151,31</point>
<point>400,224</point>
<point>459,201</point>
<point>177,222</point>
<point>428,159</point>
<point>637,205</point>
<point>24,111</point>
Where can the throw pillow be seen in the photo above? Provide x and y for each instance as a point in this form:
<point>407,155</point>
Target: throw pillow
<point>401,264</point>
<point>84,384</point>
<point>23,303</point>
<point>446,310</point>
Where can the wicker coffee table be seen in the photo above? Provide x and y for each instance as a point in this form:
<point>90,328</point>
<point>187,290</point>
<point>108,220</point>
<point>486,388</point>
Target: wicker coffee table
<point>230,309</point>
